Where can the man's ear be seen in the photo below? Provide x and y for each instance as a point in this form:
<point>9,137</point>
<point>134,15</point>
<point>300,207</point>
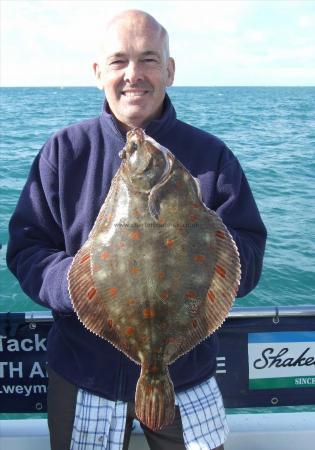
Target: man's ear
<point>98,76</point>
<point>170,71</point>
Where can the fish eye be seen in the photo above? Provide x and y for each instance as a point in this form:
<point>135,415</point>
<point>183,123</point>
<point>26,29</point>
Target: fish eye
<point>134,146</point>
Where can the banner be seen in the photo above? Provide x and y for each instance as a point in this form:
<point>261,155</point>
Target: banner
<point>23,377</point>
<point>261,362</point>
<point>268,362</point>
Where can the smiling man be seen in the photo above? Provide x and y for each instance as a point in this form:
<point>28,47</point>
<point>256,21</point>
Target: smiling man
<point>134,68</point>
<point>91,384</point>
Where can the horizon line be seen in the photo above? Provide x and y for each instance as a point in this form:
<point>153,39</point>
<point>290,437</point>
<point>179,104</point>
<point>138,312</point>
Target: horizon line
<point>170,87</point>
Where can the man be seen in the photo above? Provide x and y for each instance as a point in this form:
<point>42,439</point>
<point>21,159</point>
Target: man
<point>67,184</point>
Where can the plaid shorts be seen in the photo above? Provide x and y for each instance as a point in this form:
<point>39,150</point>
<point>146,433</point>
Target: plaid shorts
<point>203,416</point>
<point>100,423</point>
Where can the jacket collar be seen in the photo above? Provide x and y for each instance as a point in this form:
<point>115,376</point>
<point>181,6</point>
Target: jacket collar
<point>156,128</point>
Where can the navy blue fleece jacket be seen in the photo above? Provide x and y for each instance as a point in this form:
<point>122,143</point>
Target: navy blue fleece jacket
<point>66,187</point>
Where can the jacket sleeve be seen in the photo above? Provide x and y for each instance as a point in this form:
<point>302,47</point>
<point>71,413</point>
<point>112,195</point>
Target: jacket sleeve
<point>238,210</point>
<point>36,250</point>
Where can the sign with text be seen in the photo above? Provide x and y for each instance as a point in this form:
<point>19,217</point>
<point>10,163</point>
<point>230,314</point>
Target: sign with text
<point>23,378</point>
<point>260,362</point>
<point>281,360</point>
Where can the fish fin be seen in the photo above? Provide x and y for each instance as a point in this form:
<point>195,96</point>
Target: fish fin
<point>220,295</point>
<point>226,277</point>
<point>155,399</point>
<point>89,305</point>
<point>105,215</point>
<point>86,302</point>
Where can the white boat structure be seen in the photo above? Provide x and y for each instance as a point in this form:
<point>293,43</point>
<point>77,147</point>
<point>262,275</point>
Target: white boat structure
<point>267,359</point>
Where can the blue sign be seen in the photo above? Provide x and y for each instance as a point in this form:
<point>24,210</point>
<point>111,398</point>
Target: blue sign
<point>260,363</point>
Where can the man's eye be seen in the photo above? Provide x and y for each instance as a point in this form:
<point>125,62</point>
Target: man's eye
<point>116,62</point>
<point>150,60</point>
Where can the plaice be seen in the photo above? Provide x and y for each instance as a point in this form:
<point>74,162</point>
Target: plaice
<point>158,273</point>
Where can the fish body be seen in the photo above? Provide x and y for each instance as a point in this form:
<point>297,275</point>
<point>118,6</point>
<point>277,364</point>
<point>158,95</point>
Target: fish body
<point>158,273</point>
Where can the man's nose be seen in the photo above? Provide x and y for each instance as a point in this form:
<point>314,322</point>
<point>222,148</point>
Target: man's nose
<point>133,73</point>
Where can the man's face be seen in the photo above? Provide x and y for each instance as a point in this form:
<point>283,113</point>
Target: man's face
<point>134,73</point>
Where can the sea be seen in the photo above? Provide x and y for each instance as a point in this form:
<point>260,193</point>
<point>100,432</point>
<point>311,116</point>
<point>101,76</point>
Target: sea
<point>271,130</point>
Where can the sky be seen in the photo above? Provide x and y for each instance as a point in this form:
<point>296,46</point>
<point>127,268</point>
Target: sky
<point>214,43</point>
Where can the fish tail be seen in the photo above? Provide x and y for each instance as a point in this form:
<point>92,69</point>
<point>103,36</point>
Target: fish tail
<point>155,399</point>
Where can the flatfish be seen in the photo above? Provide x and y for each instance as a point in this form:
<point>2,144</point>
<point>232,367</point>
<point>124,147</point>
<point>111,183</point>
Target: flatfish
<point>158,273</point>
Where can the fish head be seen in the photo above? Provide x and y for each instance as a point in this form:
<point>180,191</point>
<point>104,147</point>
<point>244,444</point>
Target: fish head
<point>145,162</point>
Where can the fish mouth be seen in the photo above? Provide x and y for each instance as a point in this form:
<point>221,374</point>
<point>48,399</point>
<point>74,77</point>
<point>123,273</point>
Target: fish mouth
<point>136,136</point>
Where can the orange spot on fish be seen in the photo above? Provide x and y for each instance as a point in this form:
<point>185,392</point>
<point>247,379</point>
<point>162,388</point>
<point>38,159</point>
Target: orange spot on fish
<point>219,270</point>
<point>135,270</point>
<point>91,293</point>
<point>161,275</point>
<point>148,313</point>
<point>110,323</point>
<point>135,235</point>
<point>211,296</point>
<point>169,243</point>
<point>84,259</point>
<point>161,222</point>
<point>105,255</point>
<point>220,234</point>
<point>194,323</point>
<point>172,340</point>
<point>164,295</point>
<point>194,218</point>
<point>113,291</point>
<point>191,295</point>
<point>130,331</point>
<point>199,258</point>
<point>131,301</point>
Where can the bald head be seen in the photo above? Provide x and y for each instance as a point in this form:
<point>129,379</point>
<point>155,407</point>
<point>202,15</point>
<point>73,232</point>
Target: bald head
<point>134,20</point>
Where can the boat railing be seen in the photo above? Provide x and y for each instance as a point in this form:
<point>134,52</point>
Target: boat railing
<point>236,312</point>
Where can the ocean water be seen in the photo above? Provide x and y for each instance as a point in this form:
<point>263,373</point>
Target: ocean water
<point>270,129</point>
